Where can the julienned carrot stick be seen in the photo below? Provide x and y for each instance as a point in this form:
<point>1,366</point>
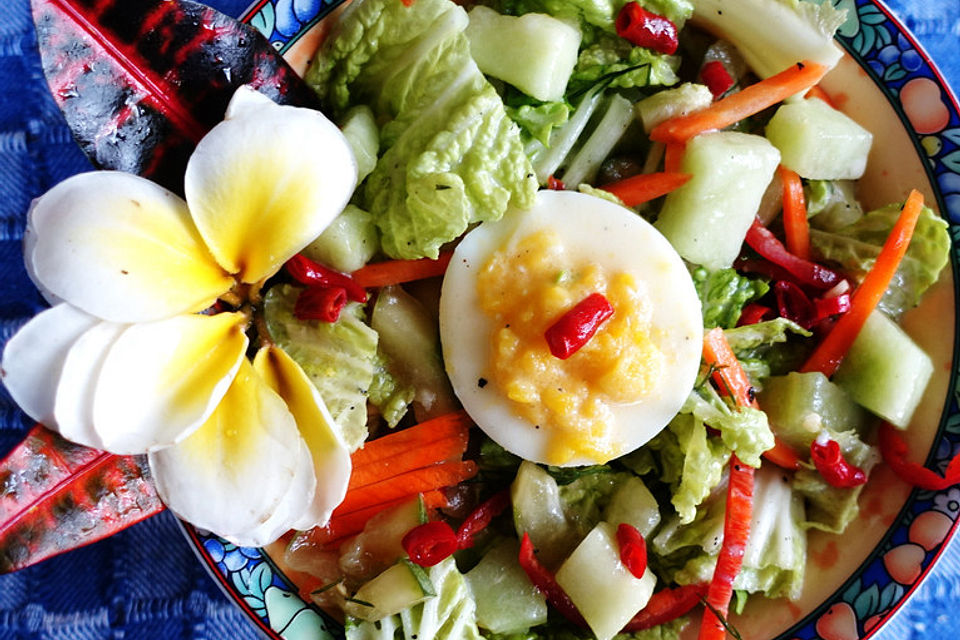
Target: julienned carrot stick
<point>828,355</point>
<point>407,440</point>
<point>729,375</point>
<point>795,225</point>
<point>381,274</point>
<point>443,450</point>
<point>731,379</point>
<point>417,481</point>
<point>673,156</point>
<point>645,187</point>
<point>342,525</point>
<point>743,104</point>
<point>816,91</point>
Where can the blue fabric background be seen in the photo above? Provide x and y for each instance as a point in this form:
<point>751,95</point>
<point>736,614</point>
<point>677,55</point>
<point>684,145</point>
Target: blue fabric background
<point>145,582</point>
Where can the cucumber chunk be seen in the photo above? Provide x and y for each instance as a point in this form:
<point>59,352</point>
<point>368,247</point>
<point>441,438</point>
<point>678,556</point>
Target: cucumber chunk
<point>670,103</point>
<point>632,503</point>
<point>800,405</point>
<point>885,370</point>
<point>348,243</point>
<point>360,129</point>
<point>399,587</point>
<point>707,219</point>
<point>534,52</point>
<point>507,602</point>
<point>538,511</point>
<point>604,591</point>
<point>819,142</point>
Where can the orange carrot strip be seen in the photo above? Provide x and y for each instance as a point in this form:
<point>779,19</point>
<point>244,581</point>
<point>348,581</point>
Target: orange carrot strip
<point>645,187</point>
<point>425,454</point>
<point>795,224</point>
<point>731,378</point>
<point>740,105</point>
<point>829,353</point>
<point>673,156</point>
<point>816,91</point>
<point>407,440</point>
<point>417,481</point>
<point>342,525</point>
<point>381,274</point>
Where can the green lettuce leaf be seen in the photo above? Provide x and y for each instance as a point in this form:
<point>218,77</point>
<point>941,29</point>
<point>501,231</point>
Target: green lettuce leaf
<point>612,62</point>
<point>339,357</point>
<point>857,246</point>
<point>704,459</point>
<point>538,120</point>
<point>389,395</point>
<point>775,557</point>
<point>769,348</point>
<point>723,295</point>
<point>744,430</point>
<point>452,157</point>
<point>832,204</point>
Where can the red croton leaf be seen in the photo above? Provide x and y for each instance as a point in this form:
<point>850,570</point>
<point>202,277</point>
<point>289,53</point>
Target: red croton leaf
<point>141,82</point>
<point>56,496</point>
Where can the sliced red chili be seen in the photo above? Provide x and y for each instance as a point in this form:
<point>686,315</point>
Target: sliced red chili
<point>736,531</point>
<point>306,271</point>
<point>646,29</point>
<point>829,461</point>
<point>577,326</point>
<point>480,518</point>
<point>666,605</point>
<point>544,580</point>
<point>430,543</point>
<point>555,184</point>
<point>715,75</point>
<point>832,306</point>
<point>633,549</point>
<point>805,272</point>
<point>754,313</point>
<point>320,303</point>
<point>794,304</point>
<point>895,452</point>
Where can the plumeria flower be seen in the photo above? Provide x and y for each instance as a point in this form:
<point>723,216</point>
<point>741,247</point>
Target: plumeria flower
<point>132,357</point>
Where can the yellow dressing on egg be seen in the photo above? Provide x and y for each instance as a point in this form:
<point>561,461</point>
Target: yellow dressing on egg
<point>524,289</point>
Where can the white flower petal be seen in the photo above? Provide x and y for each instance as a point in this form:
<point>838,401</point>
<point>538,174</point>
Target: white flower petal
<point>233,472</point>
<point>29,244</point>
<point>33,358</point>
<point>163,379</point>
<point>285,516</point>
<point>331,459</point>
<point>73,409</point>
<point>122,248</point>
<point>265,183</point>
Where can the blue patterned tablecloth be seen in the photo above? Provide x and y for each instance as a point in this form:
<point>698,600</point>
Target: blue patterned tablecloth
<point>145,582</point>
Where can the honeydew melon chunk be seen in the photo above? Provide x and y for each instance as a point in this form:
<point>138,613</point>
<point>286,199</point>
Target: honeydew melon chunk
<point>534,52</point>
<point>632,503</point>
<point>819,142</point>
<point>359,127</point>
<point>400,587</point>
<point>707,219</point>
<point>603,590</point>
<point>507,602</point>
<point>885,371</point>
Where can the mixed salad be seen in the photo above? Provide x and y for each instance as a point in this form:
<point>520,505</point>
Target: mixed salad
<point>572,327</point>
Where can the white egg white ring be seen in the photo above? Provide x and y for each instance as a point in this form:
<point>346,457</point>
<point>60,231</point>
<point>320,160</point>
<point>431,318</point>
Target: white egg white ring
<point>592,230</point>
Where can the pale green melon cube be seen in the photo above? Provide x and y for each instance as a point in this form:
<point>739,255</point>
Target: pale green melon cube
<point>671,103</point>
<point>534,52</point>
<point>707,219</point>
<point>603,590</point>
<point>819,142</point>
<point>507,602</point>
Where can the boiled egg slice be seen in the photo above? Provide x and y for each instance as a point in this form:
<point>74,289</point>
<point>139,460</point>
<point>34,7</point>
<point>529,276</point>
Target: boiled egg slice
<point>510,280</point>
